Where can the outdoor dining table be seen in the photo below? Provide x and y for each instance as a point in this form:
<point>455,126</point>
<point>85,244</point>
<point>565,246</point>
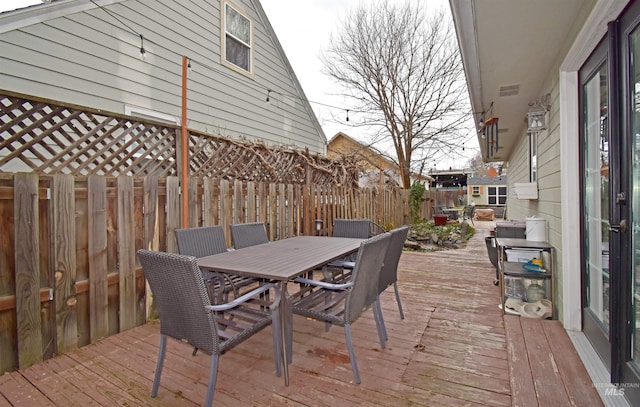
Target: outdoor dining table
<point>282,261</point>
<point>453,213</point>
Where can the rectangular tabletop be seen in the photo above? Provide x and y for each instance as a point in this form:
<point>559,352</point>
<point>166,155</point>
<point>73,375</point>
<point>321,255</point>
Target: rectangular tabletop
<point>283,259</point>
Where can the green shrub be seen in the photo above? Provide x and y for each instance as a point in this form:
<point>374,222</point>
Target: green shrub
<point>415,200</point>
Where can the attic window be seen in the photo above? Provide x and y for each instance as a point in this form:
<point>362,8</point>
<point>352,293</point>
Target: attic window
<point>237,44</point>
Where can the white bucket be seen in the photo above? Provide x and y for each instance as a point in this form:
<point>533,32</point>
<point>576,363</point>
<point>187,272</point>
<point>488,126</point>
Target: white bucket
<point>536,229</point>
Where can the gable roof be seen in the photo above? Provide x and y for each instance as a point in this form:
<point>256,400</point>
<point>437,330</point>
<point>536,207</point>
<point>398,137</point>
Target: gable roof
<point>500,180</point>
<point>366,156</point>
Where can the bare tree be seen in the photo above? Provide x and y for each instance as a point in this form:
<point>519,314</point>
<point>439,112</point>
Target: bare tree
<point>477,164</point>
<point>401,70</point>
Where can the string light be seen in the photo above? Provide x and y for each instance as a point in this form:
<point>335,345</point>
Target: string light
<point>143,52</point>
<point>189,64</point>
<point>347,114</point>
<point>268,93</point>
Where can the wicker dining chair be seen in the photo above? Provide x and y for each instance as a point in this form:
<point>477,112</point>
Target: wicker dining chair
<point>342,303</point>
<point>248,234</point>
<point>353,228</point>
<point>356,228</point>
<point>207,241</point>
<point>187,315</point>
<point>389,272</point>
<point>469,213</point>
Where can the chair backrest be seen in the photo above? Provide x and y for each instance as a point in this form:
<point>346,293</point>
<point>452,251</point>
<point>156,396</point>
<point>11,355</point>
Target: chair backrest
<point>180,294</point>
<point>201,242</point>
<point>355,228</point>
<point>389,272</point>
<point>468,211</point>
<point>248,234</point>
<point>365,275</point>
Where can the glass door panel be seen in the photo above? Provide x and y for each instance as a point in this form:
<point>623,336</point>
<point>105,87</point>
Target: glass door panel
<point>596,196</point>
<point>635,199</point>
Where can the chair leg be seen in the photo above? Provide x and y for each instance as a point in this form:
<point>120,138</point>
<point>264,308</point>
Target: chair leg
<point>159,364</point>
<point>395,288</point>
<point>377,316</point>
<point>276,327</point>
<point>352,354</point>
<point>213,374</point>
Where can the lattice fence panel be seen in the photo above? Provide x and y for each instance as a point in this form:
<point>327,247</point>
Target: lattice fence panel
<point>49,139</point>
<point>217,157</point>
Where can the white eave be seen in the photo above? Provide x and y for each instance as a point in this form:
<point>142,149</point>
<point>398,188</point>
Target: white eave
<point>509,48</point>
<point>23,17</point>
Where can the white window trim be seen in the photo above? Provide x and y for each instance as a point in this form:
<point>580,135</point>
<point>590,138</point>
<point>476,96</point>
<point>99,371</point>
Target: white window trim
<point>593,30</point>
<point>533,156</point>
<point>497,194</point>
<point>223,42</point>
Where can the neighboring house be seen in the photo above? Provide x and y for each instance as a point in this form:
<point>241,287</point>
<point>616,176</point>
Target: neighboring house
<point>369,161</point>
<point>240,84</point>
<point>487,191</point>
<point>555,92</point>
<point>451,178</point>
<point>449,186</point>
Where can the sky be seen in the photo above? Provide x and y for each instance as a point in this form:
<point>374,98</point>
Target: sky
<point>303,28</point>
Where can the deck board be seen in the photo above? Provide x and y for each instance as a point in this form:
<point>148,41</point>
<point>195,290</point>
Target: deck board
<point>452,349</point>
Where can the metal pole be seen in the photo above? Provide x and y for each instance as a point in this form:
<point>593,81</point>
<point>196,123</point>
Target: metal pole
<point>185,147</point>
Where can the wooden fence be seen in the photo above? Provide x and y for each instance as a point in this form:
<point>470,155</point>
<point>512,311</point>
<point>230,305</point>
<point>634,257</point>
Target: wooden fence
<point>69,275</point>
<point>81,190</point>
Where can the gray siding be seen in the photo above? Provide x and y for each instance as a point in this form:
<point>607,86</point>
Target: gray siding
<point>547,205</point>
<point>89,58</point>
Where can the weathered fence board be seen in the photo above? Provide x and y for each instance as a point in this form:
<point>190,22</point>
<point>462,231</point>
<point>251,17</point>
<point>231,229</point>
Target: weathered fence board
<point>64,260</point>
<point>172,213</point>
<point>225,209</point>
<point>193,218</point>
<point>126,253</point>
<point>27,270</point>
<point>8,334</point>
<point>98,284</point>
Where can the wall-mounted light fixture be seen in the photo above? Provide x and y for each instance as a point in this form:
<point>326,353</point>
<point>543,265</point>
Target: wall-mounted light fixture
<point>537,114</point>
<point>318,226</point>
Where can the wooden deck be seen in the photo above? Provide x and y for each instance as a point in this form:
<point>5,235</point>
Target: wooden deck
<point>451,350</point>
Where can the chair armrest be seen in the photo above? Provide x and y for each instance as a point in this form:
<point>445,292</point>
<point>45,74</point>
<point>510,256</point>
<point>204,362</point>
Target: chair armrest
<point>324,284</point>
<point>343,263</point>
<point>245,297</point>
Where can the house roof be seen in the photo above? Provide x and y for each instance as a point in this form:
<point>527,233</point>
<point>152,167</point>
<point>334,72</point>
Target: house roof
<point>367,155</point>
<point>508,48</point>
<point>501,180</point>
<point>37,13</point>
<point>365,152</point>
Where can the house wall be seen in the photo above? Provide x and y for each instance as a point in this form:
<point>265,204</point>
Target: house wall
<point>549,202</point>
<point>77,53</point>
<point>483,197</point>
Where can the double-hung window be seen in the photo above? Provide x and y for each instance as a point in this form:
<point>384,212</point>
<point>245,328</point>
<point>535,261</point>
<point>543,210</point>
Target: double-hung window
<point>497,195</point>
<point>533,156</point>
<point>237,39</point>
